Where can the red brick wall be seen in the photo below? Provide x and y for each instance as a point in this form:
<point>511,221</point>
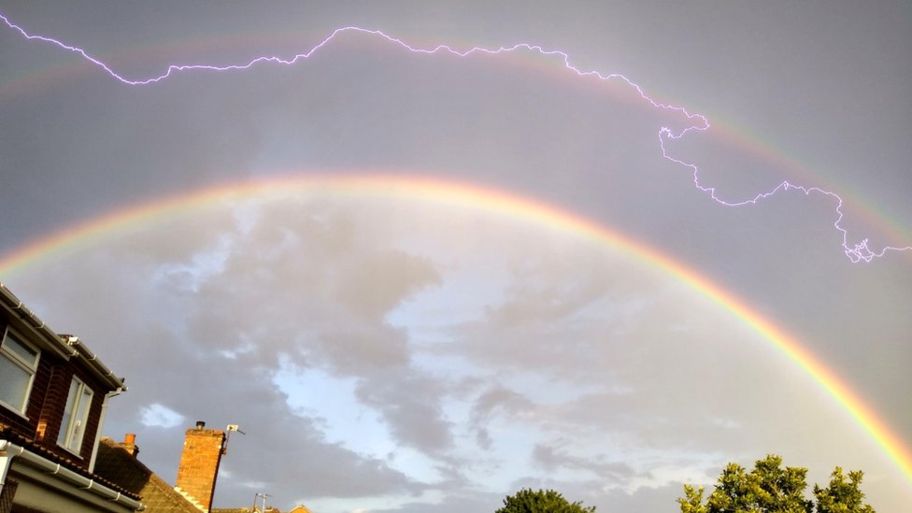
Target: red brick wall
<point>199,463</point>
<point>47,401</point>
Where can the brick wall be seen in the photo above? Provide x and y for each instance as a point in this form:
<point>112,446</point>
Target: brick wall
<point>199,463</point>
<point>53,404</point>
<point>47,401</point>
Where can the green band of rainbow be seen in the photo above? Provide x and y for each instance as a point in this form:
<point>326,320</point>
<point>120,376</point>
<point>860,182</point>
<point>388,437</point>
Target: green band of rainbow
<point>486,199</point>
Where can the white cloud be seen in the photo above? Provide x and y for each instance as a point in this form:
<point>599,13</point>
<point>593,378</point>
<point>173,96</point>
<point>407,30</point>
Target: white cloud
<point>316,394</point>
<point>159,415</point>
<point>387,399</point>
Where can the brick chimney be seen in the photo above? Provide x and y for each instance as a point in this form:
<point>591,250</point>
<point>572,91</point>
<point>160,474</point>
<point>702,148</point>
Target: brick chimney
<point>199,463</point>
<point>129,444</point>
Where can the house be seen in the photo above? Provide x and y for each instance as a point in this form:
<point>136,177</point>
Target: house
<point>54,392</point>
<point>269,509</point>
<point>197,473</point>
<point>53,396</point>
<point>117,462</point>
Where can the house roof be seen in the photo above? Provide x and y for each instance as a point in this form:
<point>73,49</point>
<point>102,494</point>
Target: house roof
<point>7,433</point>
<point>115,463</point>
<point>269,509</point>
<point>65,346</point>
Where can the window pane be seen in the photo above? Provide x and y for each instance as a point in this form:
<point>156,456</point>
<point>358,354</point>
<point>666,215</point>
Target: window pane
<point>68,414</point>
<point>14,382</point>
<point>13,345</point>
<point>80,418</point>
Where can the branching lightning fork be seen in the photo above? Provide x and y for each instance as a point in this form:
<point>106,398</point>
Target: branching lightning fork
<point>856,251</point>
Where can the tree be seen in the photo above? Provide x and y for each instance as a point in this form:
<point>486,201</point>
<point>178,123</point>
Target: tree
<point>692,502</point>
<point>541,501</point>
<point>842,496</point>
<point>769,488</point>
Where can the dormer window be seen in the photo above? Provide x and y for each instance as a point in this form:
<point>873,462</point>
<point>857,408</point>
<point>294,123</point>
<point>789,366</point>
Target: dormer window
<point>75,416</point>
<point>18,365</point>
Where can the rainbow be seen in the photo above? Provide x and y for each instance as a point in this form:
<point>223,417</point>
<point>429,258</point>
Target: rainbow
<point>800,174</point>
<point>475,197</point>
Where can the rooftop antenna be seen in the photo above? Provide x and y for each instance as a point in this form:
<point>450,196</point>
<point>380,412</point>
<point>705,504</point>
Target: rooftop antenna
<point>228,430</point>
<point>261,496</point>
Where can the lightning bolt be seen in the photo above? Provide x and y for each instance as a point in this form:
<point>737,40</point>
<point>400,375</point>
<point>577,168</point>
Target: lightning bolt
<point>858,251</point>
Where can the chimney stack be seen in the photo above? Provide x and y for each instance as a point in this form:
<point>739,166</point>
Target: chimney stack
<point>199,463</point>
<point>129,444</point>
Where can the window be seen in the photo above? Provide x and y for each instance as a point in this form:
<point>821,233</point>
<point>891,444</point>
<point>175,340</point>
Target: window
<point>18,364</point>
<point>75,416</point>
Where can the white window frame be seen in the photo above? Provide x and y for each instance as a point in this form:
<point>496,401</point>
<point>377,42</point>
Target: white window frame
<point>15,359</point>
<point>66,432</point>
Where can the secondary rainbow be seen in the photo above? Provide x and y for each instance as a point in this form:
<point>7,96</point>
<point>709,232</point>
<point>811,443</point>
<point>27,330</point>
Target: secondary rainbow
<point>481,198</point>
<point>799,174</point>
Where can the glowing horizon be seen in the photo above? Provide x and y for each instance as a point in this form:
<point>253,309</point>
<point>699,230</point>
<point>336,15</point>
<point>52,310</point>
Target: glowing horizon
<point>480,198</point>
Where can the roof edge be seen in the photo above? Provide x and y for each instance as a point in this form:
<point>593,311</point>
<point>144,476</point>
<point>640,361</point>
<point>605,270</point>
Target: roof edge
<point>65,346</point>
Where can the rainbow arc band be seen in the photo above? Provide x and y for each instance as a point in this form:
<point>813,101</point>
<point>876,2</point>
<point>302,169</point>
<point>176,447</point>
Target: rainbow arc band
<point>856,251</point>
<point>483,199</point>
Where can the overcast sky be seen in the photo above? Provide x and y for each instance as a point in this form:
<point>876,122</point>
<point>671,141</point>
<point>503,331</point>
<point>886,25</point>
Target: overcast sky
<point>391,354</point>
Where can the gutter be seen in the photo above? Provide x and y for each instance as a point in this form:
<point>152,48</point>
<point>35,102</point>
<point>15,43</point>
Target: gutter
<point>91,358</point>
<point>33,322</point>
<point>9,451</point>
<point>66,346</point>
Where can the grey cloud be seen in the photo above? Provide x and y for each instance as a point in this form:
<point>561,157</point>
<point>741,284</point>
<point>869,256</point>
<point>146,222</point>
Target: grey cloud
<point>362,349</point>
<point>483,438</point>
<point>637,369</point>
<point>292,278</point>
<point>319,292</point>
<point>377,284</point>
<point>453,503</point>
<point>498,398</point>
<point>655,367</point>
<point>604,497</point>
<point>551,458</point>
<point>555,283</point>
<point>174,362</point>
<point>411,406</point>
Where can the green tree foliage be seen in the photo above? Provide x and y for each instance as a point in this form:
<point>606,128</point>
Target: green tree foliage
<point>842,496</point>
<point>541,501</point>
<point>692,502</point>
<point>769,488</point>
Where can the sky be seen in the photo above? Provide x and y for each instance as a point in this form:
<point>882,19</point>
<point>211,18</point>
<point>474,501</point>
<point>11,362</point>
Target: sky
<point>389,351</point>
